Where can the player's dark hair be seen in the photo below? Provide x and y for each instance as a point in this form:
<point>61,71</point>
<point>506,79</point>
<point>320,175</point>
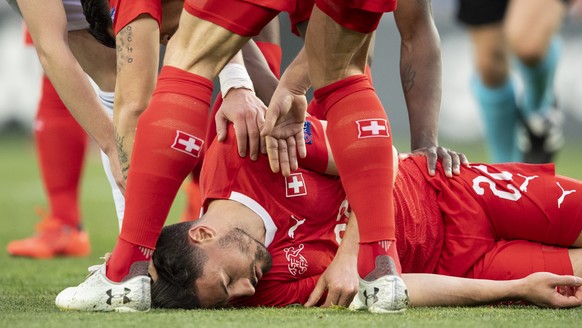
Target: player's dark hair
<point>178,263</point>
<point>97,15</point>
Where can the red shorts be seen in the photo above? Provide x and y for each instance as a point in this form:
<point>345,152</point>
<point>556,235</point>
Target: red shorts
<point>126,11</point>
<point>246,18</point>
<point>508,220</point>
<point>516,259</point>
<point>358,15</point>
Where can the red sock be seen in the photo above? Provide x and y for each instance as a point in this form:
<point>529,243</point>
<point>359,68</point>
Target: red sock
<point>193,192</point>
<point>361,142</point>
<point>381,265</point>
<point>273,54</point>
<point>314,109</point>
<point>60,145</point>
<point>167,147</point>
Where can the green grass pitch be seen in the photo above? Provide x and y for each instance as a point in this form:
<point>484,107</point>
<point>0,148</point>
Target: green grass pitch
<point>28,287</point>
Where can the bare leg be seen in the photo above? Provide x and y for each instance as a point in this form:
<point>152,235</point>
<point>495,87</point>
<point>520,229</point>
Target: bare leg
<point>336,53</point>
<point>490,53</point>
<point>530,41</point>
<point>202,47</point>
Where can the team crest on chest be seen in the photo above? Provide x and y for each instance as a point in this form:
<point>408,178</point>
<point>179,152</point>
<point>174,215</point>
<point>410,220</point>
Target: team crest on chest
<point>295,185</point>
<point>372,128</point>
<point>188,144</point>
<point>297,263</point>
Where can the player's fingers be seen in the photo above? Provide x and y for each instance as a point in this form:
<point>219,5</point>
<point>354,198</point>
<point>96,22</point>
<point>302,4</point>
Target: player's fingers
<point>272,147</point>
<point>240,129</point>
<point>261,124</point>
<point>270,120</point>
<point>566,301</point>
<point>446,160</point>
<point>283,157</point>
<point>254,136</point>
<point>572,281</point>
<point>333,297</point>
<point>315,294</point>
<point>431,160</point>
<point>221,127</point>
<point>272,115</point>
<point>346,298</point>
<point>301,148</point>
<point>456,162</point>
<point>292,150</point>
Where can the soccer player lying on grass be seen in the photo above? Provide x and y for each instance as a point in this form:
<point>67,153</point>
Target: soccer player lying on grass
<point>268,240</point>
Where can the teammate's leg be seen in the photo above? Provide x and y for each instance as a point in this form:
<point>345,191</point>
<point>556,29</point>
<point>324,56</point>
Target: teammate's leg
<point>358,132</point>
<point>494,92</point>
<point>537,48</point>
<point>171,131</point>
<point>60,145</point>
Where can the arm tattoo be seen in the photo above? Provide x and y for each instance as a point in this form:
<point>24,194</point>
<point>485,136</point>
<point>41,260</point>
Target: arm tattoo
<point>124,47</point>
<point>123,156</point>
<point>408,78</point>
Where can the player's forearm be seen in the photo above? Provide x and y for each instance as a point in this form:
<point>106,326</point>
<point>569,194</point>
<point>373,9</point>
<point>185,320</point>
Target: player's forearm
<point>437,290</point>
<point>137,70</point>
<point>296,76</point>
<point>349,246</point>
<point>420,73</point>
<point>264,81</point>
<point>78,95</point>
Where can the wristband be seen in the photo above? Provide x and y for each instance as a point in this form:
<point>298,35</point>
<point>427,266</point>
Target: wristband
<point>234,76</point>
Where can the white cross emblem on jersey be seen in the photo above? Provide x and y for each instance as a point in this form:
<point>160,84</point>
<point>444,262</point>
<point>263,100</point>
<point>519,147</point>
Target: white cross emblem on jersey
<point>187,144</point>
<point>295,185</point>
<point>370,128</point>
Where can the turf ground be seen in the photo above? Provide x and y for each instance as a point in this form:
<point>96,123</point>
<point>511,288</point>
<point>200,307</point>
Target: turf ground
<point>28,287</point>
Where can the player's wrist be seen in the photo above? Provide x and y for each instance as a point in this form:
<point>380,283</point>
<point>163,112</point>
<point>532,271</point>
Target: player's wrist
<point>234,76</point>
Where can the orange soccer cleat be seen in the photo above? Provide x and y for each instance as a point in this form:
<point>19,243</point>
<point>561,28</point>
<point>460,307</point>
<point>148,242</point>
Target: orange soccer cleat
<point>53,238</point>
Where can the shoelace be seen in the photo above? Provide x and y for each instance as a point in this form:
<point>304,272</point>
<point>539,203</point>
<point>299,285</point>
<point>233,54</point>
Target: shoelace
<point>94,268</point>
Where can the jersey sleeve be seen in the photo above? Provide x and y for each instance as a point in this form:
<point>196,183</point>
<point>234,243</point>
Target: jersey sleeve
<point>124,12</point>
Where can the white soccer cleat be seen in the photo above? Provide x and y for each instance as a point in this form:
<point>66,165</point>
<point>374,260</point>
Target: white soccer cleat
<point>99,294</point>
<point>387,294</point>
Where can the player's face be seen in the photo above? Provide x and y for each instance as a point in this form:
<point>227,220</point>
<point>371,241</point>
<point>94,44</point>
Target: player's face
<point>235,264</point>
<point>171,10</point>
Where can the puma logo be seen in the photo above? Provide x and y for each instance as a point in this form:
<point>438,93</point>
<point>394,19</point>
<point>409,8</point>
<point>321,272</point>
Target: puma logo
<point>291,232</point>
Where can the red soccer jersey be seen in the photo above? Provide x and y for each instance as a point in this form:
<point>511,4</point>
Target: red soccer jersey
<point>303,216</point>
<point>124,12</point>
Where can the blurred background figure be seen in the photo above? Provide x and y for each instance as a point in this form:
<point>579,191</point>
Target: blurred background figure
<point>520,36</point>
<point>60,148</point>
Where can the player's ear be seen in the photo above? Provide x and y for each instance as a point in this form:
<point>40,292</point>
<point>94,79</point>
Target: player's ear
<point>201,234</point>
